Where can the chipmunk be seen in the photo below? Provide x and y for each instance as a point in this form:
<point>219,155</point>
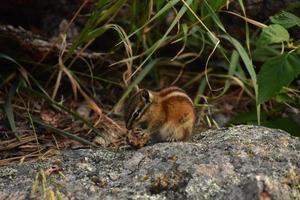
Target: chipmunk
<point>168,114</point>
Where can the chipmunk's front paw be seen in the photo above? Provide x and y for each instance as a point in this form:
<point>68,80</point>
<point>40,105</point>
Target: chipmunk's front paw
<point>138,139</point>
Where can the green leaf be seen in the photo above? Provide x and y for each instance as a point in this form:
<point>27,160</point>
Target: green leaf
<point>283,123</point>
<point>274,33</point>
<point>248,118</point>
<point>277,73</point>
<point>286,124</point>
<point>263,53</point>
<point>285,19</point>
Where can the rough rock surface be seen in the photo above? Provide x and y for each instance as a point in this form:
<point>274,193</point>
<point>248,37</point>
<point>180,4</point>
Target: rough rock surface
<point>243,162</point>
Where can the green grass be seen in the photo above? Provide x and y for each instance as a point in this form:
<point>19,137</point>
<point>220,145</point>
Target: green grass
<point>179,36</point>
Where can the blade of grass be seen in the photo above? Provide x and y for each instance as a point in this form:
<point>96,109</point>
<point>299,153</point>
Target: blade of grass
<point>181,12</point>
<point>108,81</point>
<point>173,39</point>
<point>135,82</point>
<point>31,124</point>
<point>238,81</point>
<point>26,76</point>
<point>249,66</point>
<point>196,78</point>
<point>34,130</point>
<point>211,35</point>
<point>97,17</point>
<point>7,79</point>
<point>213,15</point>
<point>167,7</point>
<point>200,91</point>
<point>151,49</point>
<point>9,110</point>
<point>76,86</point>
<point>128,48</point>
<point>213,38</point>
<point>185,31</point>
<point>63,133</point>
<point>245,57</point>
<point>22,71</point>
<point>95,33</point>
<point>74,114</point>
<point>194,6</point>
<point>251,21</point>
<point>110,11</point>
<point>215,5</point>
<point>232,68</point>
<point>246,28</point>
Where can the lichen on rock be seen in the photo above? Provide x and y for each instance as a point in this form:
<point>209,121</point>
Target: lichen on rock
<point>242,162</point>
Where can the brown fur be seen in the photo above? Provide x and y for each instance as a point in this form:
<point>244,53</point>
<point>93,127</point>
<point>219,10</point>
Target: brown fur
<point>168,90</point>
<point>171,114</point>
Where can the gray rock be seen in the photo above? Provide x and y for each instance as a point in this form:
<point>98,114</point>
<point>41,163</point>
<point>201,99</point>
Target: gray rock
<point>243,162</point>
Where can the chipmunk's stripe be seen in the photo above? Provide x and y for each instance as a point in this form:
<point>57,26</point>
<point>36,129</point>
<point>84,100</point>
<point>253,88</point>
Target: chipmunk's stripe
<point>142,112</point>
<point>169,90</point>
<point>177,94</point>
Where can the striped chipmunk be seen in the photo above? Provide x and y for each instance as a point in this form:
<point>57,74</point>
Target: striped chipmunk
<point>168,114</point>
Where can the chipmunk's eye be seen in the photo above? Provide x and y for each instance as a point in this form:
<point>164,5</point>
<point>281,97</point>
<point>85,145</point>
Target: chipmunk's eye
<point>136,114</point>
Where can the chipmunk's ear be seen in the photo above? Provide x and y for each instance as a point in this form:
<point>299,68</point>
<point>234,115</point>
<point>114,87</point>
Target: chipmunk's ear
<point>146,96</point>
